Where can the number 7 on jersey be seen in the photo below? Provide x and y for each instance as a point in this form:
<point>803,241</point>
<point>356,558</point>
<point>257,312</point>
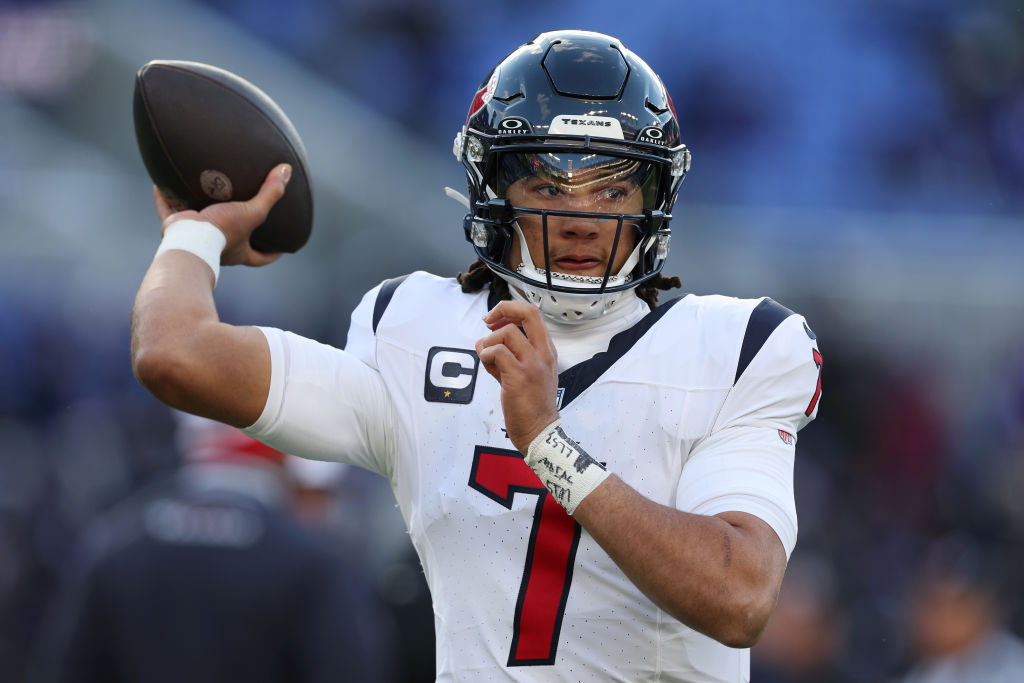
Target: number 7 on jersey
<point>500,474</point>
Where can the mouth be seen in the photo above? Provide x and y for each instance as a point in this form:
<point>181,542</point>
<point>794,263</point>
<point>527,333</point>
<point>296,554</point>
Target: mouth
<point>574,263</point>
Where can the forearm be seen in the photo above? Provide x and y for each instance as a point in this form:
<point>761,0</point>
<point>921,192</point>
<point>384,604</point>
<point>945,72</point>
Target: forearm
<point>719,575</point>
<point>183,353</point>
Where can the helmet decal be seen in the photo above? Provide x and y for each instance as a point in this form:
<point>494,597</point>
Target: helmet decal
<point>671,106</point>
<point>652,134</point>
<point>600,126</point>
<point>483,95</point>
<point>514,125</point>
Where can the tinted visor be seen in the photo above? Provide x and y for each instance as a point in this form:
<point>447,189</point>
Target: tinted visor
<point>595,182</point>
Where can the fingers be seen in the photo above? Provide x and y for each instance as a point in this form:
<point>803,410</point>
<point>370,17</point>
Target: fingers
<point>519,344</point>
<point>168,214</point>
<point>523,315</point>
<point>496,359</point>
<point>273,187</point>
<point>242,254</point>
<point>504,350</point>
<point>270,192</point>
<point>163,209</point>
<point>509,338</point>
<point>515,312</point>
<point>506,312</point>
<point>260,258</point>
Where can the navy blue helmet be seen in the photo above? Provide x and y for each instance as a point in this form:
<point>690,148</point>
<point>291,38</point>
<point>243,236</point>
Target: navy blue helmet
<point>571,105</point>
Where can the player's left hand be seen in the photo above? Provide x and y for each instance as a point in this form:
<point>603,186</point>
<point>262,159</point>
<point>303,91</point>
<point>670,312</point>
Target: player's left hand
<point>519,354</point>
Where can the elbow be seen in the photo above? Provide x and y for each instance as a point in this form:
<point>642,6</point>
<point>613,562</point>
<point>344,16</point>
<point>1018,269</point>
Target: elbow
<point>745,633</point>
<point>737,621</point>
<point>163,371</point>
<point>748,619</point>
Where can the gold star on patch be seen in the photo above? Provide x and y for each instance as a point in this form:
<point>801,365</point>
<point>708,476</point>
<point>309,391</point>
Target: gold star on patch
<point>447,394</point>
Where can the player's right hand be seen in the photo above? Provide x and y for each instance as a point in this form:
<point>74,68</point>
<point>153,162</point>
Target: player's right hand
<point>237,220</point>
<point>519,354</point>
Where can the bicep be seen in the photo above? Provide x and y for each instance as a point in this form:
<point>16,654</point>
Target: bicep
<point>216,371</point>
<point>234,380</point>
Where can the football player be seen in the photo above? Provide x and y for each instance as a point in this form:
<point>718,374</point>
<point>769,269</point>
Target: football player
<point>617,502</point>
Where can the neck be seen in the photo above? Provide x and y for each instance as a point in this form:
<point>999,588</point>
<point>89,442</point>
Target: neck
<point>579,341</point>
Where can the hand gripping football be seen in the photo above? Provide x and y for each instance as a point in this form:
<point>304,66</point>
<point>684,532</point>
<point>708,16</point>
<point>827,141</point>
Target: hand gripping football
<point>207,135</point>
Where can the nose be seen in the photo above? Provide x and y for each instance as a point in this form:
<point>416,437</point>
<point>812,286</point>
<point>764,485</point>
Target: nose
<point>586,227</point>
<point>575,226</point>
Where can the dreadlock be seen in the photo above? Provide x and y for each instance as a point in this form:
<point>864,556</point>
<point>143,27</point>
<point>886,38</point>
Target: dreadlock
<point>648,291</point>
<point>479,275</point>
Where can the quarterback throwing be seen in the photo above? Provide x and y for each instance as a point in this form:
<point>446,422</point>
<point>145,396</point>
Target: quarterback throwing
<point>599,487</point>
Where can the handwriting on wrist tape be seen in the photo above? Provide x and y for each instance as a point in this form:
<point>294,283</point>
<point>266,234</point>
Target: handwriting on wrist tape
<point>561,461</point>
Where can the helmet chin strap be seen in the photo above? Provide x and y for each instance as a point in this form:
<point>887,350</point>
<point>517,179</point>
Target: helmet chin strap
<point>568,307</point>
<point>564,307</point>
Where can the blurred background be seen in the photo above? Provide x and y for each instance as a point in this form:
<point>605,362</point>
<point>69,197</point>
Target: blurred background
<point>860,162</point>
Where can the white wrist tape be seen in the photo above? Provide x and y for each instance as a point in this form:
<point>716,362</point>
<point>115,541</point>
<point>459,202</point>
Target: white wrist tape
<point>196,237</point>
<point>566,470</point>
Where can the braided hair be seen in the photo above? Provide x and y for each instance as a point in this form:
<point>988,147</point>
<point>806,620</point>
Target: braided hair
<point>479,275</point>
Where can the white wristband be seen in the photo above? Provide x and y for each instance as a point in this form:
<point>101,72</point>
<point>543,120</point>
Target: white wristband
<point>566,470</point>
<point>203,239</point>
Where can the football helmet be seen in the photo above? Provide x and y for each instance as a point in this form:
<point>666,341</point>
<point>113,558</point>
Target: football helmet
<point>577,110</point>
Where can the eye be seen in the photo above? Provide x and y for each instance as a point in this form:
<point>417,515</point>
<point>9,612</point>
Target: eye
<point>614,193</point>
<point>548,191</point>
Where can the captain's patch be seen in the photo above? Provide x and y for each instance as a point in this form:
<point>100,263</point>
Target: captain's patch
<point>451,375</point>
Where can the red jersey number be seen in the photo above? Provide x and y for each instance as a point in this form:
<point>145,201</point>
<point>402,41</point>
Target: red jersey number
<point>817,391</point>
<point>499,474</point>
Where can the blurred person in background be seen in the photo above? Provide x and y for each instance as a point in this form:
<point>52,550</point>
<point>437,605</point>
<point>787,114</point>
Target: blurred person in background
<point>804,640</point>
<point>646,539</point>
<point>956,617</point>
<point>208,577</point>
<point>352,509</point>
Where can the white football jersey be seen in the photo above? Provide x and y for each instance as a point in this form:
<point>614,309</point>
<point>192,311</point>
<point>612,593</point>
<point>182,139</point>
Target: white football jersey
<point>696,406</point>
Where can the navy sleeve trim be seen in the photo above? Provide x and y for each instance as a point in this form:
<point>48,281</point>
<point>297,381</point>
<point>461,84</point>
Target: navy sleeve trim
<point>765,317</point>
<point>580,376</point>
<point>387,290</point>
